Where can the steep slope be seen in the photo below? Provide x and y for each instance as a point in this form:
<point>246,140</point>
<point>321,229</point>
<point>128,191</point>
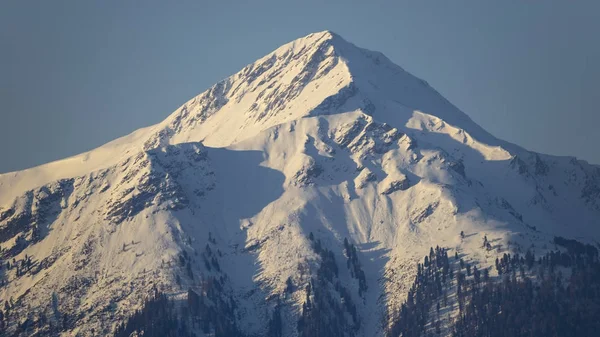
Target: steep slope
<point>256,183</point>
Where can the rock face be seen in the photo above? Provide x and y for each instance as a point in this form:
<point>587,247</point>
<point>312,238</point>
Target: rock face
<point>319,153</point>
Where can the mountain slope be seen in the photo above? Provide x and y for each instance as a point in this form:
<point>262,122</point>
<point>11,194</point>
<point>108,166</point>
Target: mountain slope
<point>258,181</point>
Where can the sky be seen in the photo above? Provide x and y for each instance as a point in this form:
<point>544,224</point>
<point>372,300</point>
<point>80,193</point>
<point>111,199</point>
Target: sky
<point>77,74</point>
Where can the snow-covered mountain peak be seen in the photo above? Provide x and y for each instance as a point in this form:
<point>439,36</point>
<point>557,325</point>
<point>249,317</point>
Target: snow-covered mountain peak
<point>319,152</point>
<point>314,75</point>
<point>317,74</point>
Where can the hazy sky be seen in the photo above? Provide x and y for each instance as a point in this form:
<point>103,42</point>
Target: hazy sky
<point>76,74</point>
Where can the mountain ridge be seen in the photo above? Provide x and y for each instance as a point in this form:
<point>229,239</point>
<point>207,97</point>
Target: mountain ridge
<point>323,38</point>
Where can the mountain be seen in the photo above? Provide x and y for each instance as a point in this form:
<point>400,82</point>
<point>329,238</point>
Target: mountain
<point>320,170</point>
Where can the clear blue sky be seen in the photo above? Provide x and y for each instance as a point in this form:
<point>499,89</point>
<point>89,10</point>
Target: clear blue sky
<point>76,74</point>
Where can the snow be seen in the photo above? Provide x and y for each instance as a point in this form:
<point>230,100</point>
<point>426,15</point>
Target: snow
<point>318,136</point>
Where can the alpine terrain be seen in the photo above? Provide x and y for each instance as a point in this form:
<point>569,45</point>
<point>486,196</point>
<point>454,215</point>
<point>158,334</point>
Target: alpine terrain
<point>320,191</point>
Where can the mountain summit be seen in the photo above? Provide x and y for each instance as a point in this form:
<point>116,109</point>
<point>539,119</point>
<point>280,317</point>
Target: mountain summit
<point>317,175</point>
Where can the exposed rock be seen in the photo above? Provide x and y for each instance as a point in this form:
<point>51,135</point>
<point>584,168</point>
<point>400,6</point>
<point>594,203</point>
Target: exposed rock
<point>396,185</point>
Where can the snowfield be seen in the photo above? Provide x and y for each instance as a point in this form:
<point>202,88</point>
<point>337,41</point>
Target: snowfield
<point>319,136</point>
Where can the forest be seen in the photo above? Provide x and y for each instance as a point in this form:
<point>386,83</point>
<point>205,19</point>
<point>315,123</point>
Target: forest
<point>556,294</point>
